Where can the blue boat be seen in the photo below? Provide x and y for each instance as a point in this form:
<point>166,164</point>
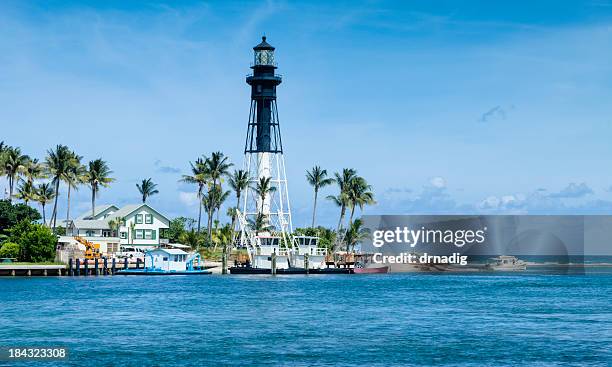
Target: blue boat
<point>163,261</point>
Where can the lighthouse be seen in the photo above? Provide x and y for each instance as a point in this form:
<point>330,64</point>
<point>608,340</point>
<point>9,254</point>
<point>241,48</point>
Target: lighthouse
<point>263,150</point>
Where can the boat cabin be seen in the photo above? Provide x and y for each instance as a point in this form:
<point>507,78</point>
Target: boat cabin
<point>308,245</point>
<point>166,259</point>
<point>265,246</point>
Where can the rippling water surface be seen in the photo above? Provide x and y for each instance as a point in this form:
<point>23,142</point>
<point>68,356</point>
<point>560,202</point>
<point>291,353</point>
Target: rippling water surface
<point>368,320</point>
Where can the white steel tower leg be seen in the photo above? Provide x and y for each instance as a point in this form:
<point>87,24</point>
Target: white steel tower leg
<point>264,170</point>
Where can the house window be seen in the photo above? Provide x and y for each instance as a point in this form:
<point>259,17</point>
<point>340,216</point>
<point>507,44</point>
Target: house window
<point>89,233</point>
<point>148,218</point>
<point>112,247</point>
<point>165,259</point>
<point>149,234</point>
<point>123,235</point>
<point>138,218</point>
<point>106,233</point>
<point>139,234</point>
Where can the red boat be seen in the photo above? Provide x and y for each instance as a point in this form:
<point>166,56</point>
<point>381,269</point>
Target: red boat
<point>379,270</point>
<point>365,265</point>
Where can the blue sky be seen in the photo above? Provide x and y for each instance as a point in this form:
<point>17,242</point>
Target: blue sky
<point>445,107</point>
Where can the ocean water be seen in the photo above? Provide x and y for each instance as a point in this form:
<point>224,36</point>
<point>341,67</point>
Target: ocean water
<point>343,320</point>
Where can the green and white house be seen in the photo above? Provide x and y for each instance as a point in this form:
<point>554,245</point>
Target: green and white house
<point>136,225</point>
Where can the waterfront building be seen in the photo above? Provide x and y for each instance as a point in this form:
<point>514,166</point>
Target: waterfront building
<point>136,225</point>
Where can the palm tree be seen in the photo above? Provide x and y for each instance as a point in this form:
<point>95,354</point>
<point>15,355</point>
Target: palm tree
<point>34,170</point>
<point>222,236</point>
<point>132,232</point>
<point>217,166</point>
<point>238,181</point>
<point>359,194</point>
<point>116,224</point>
<point>13,163</point>
<point>26,192</point>
<point>147,188</point>
<point>342,199</point>
<point>317,178</point>
<point>97,177</point>
<point>58,164</point>
<point>75,175</point>
<point>355,234</point>
<point>260,223</point>
<point>262,189</point>
<point>44,195</point>
<point>190,238</point>
<point>220,198</point>
<point>199,177</point>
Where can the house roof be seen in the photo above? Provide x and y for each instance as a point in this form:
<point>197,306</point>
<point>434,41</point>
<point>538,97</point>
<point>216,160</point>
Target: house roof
<point>102,223</point>
<point>178,245</point>
<point>129,209</point>
<point>99,209</point>
<point>91,224</point>
<point>171,251</point>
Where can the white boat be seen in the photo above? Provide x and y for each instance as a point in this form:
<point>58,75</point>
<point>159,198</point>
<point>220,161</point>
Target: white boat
<point>262,249</point>
<point>308,245</point>
<point>506,263</point>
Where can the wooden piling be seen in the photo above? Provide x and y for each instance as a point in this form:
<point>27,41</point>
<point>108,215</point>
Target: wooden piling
<point>45,272</point>
<point>29,272</point>
<point>125,263</point>
<point>113,268</point>
<point>86,266</point>
<point>105,267</point>
<point>70,270</point>
<point>224,261</point>
<point>78,267</point>
<point>273,261</point>
<point>306,263</point>
<point>96,267</point>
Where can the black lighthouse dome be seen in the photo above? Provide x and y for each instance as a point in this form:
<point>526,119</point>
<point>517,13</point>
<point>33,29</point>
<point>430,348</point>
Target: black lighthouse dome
<point>264,54</point>
<point>264,45</point>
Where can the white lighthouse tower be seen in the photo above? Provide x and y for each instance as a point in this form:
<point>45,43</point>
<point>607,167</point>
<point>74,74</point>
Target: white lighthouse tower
<point>266,199</point>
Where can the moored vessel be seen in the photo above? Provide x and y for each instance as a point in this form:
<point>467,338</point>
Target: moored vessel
<point>506,263</point>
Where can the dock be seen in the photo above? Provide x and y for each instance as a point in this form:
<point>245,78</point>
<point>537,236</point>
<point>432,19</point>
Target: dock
<point>32,270</point>
<point>75,267</point>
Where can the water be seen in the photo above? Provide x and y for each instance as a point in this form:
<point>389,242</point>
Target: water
<point>366,320</point>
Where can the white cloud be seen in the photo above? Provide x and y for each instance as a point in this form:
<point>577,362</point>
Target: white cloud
<point>438,182</point>
<point>573,190</point>
<point>188,198</point>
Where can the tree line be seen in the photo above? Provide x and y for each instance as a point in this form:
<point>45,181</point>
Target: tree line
<point>208,174</point>
<point>31,180</point>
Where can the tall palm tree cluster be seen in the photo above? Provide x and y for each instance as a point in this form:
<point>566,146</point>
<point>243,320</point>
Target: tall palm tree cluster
<point>354,192</point>
<point>208,174</point>
<point>32,181</point>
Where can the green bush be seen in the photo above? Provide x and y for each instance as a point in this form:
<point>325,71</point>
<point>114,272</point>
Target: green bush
<point>36,241</point>
<point>11,214</point>
<point>9,249</point>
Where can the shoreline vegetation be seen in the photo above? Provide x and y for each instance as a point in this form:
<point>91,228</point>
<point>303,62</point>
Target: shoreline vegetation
<point>30,236</point>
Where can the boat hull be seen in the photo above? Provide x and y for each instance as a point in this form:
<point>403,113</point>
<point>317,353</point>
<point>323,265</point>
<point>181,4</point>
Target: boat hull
<point>378,270</point>
<point>288,271</point>
<point>154,272</point>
